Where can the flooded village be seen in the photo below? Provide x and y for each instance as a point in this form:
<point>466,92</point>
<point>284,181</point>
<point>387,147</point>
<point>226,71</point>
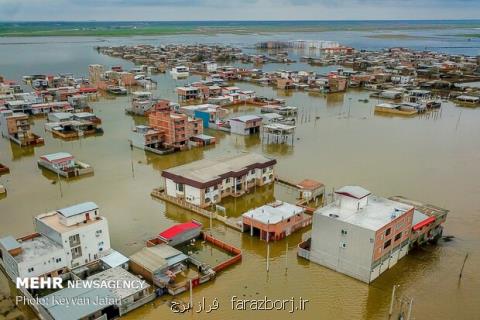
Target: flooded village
<point>284,169</point>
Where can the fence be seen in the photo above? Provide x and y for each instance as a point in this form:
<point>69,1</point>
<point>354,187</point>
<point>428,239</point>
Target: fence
<point>224,246</point>
<point>160,194</point>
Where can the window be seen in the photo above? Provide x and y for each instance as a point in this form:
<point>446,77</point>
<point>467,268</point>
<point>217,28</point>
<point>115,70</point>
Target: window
<point>74,240</point>
<point>398,236</point>
<point>30,269</point>
<point>180,187</point>
<point>227,180</point>
<point>388,231</point>
<point>76,252</point>
<point>387,244</point>
<point>252,172</point>
<point>344,232</point>
<point>58,260</point>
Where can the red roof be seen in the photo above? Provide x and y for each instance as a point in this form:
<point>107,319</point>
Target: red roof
<point>178,229</point>
<point>87,90</point>
<point>423,223</point>
<point>309,184</point>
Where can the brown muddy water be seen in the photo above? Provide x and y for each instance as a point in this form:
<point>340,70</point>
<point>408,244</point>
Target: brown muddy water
<point>433,158</point>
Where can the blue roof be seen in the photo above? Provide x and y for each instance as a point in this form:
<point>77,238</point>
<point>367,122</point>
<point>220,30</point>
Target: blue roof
<point>114,259</point>
<point>78,209</point>
<point>75,307</point>
<point>9,243</point>
<point>176,259</point>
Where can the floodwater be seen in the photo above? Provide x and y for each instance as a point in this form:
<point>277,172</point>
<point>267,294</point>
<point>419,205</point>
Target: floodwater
<point>433,158</point>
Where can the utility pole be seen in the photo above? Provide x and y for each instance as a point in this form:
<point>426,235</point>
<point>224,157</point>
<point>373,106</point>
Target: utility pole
<point>286,258</point>
<point>268,257</point>
<point>211,222</point>
<point>392,301</point>
<point>191,294</point>
<point>59,184</point>
<point>463,266</point>
<point>410,309</point>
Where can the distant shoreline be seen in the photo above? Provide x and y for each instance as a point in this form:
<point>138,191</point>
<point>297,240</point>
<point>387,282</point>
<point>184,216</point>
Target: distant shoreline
<point>139,28</point>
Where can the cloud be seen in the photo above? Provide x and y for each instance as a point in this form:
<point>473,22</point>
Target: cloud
<point>163,3</point>
<point>158,10</point>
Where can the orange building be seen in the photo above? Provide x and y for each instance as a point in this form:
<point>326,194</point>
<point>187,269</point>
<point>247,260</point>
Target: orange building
<point>178,128</point>
<point>16,127</point>
<point>275,221</point>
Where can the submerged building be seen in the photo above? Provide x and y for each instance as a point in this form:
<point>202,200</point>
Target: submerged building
<point>177,128</point>
<point>359,234</point>
<point>275,221</point>
<point>206,182</point>
<point>16,127</point>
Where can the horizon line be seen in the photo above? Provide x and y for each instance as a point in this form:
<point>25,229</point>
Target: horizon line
<point>251,20</point>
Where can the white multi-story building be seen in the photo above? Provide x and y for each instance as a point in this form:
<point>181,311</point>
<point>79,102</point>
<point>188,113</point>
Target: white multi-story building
<point>32,256</point>
<point>79,229</point>
<point>206,182</point>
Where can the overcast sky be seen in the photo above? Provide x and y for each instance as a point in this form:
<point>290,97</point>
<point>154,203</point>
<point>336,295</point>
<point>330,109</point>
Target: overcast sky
<point>163,10</point>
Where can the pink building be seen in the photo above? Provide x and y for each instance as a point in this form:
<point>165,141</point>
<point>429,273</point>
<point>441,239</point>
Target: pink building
<point>275,221</point>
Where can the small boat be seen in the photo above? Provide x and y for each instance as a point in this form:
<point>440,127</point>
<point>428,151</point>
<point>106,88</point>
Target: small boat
<point>180,72</point>
<point>398,109</point>
<point>117,90</point>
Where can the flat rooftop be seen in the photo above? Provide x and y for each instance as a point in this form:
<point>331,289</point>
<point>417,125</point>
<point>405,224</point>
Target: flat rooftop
<point>280,126</point>
<point>114,259</point>
<point>273,213</point>
<point>425,208</point>
<point>118,274</point>
<point>374,216</point>
<point>206,170</point>
<point>36,247</point>
<point>247,118</point>
<point>52,220</point>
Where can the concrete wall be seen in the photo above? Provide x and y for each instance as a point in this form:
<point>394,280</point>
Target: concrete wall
<point>238,127</point>
<point>93,244</point>
<point>42,265</point>
<point>48,232</point>
<point>193,195</point>
<point>349,253</point>
<point>79,218</point>
<point>170,187</point>
<point>352,203</point>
